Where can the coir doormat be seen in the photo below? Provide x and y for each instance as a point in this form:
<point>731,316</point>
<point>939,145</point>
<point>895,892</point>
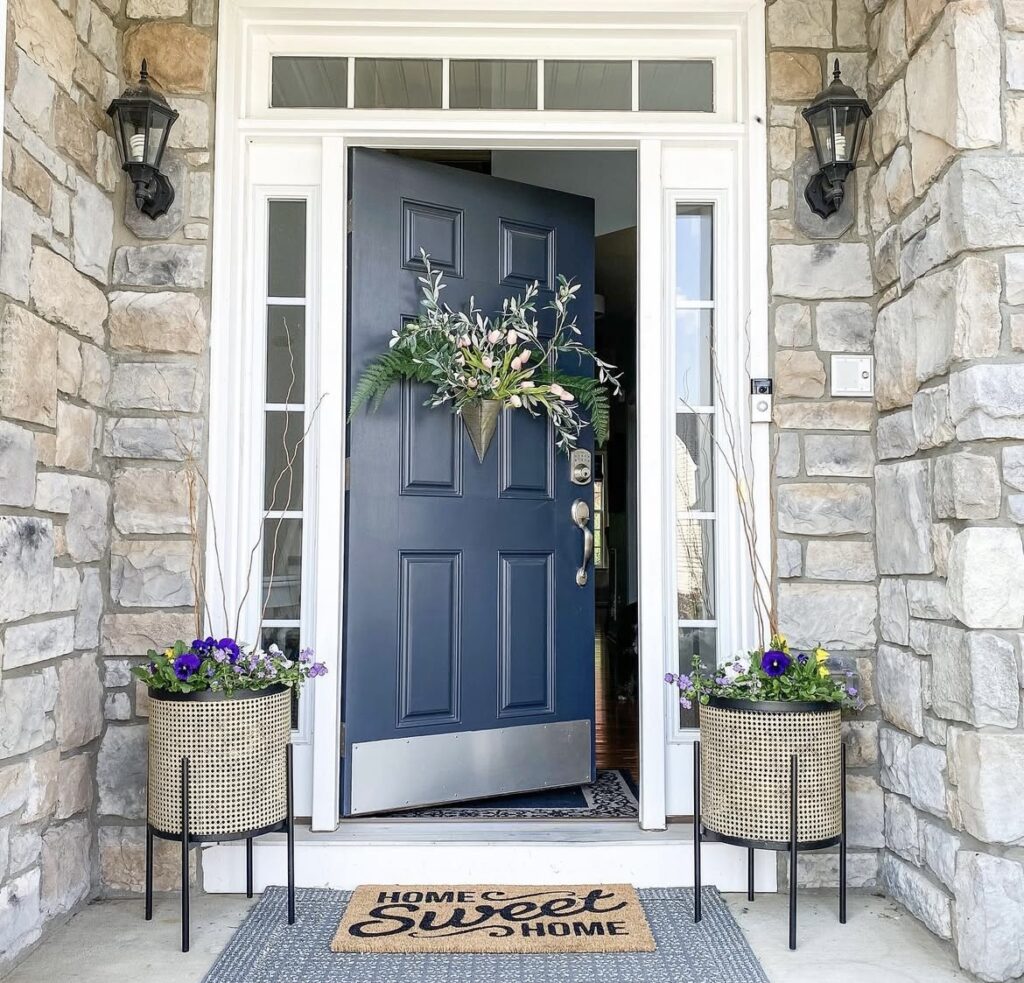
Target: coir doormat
<point>493,918</point>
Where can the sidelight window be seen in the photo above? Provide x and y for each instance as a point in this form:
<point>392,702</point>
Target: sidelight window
<point>695,430</point>
<point>285,422</point>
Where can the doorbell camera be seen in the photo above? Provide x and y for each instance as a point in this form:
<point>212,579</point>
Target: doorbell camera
<point>760,400</point>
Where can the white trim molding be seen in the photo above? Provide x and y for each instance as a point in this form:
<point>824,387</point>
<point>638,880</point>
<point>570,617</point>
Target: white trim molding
<point>717,157</point>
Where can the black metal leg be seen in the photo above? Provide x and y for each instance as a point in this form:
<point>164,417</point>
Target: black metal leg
<point>697,914</point>
<point>149,873</point>
<point>793,776</point>
<point>842,838</point>
<point>750,873</point>
<point>248,867</point>
<point>291,835</point>
<point>184,855</point>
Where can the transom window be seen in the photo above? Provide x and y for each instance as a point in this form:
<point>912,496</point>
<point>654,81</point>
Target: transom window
<point>568,85</point>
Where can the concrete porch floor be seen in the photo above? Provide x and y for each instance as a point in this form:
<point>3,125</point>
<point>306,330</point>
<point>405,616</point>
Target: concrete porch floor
<point>108,942</point>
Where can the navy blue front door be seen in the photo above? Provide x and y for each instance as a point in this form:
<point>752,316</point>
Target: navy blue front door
<point>469,645</point>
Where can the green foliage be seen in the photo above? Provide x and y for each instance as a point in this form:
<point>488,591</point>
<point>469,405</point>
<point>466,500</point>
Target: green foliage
<point>467,356</point>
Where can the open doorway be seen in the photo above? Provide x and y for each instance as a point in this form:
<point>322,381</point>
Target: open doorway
<point>611,792</point>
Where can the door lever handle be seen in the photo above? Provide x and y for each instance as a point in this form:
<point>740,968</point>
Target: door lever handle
<point>581,517</point>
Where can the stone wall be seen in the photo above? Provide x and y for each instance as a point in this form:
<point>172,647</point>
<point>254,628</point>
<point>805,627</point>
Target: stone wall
<point>101,333</point>
<point>823,302</point>
<point>947,222</point>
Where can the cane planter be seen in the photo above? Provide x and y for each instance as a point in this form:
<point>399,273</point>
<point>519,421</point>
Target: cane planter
<point>746,761</point>
<point>770,776</point>
<point>235,746</point>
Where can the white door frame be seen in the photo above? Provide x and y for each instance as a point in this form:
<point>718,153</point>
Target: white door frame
<point>248,33</point>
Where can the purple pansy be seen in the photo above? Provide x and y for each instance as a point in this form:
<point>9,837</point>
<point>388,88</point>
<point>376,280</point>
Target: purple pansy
<point>775,662</point>
<point>670,677</point>
<point>185,665</point>
<point>802,658</point>
<point>230,647</point>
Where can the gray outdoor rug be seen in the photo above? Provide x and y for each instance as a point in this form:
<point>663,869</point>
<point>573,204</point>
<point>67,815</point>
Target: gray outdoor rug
<point>265,949</point>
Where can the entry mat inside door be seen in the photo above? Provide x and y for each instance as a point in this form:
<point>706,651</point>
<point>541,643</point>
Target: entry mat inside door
<point>266,949</point>
<point>612,796</point>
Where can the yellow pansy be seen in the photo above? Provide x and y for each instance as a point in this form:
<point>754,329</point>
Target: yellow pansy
<point>820,654</point>
<point>168,653</point>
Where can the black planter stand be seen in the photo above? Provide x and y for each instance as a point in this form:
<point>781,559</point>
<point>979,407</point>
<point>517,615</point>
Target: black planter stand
<point>701,834</point>
<point>287,825</point>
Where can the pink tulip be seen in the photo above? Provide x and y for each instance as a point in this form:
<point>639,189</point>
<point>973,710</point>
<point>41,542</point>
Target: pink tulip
<point>526,385</point>
<point>524,356</point>
<point>487,361</point>
<point>494,337</point>
<point>566,397</point>
<point>516,365</point>
<point>515,401</point>
<point>511,337</point>
<point>471,383</point>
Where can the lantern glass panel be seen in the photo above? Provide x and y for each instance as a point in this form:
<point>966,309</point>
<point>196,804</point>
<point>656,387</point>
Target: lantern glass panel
<point>132,119</point>
<point>820,122</point>
<point>159,128</point>
<point>847,129</point>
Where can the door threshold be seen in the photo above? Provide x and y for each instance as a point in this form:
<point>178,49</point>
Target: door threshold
<point>557,852</point>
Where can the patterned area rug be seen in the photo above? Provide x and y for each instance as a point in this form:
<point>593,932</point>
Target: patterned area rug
<point>612,796</point>
<point>265,949</point>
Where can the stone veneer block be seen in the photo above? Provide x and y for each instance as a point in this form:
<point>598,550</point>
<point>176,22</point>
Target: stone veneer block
<point>967,487</point>
<point>157,322</point>
<point>28,367</point>
<point>837,616</point>
<point>180,57</point>
<point>61,293</point>
<point>989,895</point>
<point>822,509</point>
<point>953,90</point>
<point>898,689</point>
<point>987,401</point>
<point>26,566</point>
<point>835,414</point>
<point>986,578</point>
<point>918,894</point>
<point>989,769</point>
<point>903,510</point>
<point>826,270</point>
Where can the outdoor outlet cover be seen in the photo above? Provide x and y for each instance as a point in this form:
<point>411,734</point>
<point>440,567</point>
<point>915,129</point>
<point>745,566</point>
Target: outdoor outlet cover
<point>853,375</point>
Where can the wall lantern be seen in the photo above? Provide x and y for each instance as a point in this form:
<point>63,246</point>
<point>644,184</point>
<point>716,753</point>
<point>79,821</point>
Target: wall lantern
<point>142,121</point>
<point>836,119</point>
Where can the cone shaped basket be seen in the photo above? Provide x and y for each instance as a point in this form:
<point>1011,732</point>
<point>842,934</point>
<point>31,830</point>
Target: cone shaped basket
<point>480,418</point>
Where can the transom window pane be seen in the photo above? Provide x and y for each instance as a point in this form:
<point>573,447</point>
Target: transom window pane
<point>493,85</point>
<point>308,83</point>
<point>398,83</point>
<point>677,86</point>
<point>603,85</point>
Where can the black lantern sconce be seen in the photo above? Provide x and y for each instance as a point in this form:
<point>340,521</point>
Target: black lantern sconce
<point>837,120</point>
<point>142,121</point>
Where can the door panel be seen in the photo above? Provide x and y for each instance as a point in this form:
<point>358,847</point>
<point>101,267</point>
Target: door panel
<point>469,655</point>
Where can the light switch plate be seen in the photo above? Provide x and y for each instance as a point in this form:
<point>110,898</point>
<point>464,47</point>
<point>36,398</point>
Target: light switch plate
<point>853,375</point>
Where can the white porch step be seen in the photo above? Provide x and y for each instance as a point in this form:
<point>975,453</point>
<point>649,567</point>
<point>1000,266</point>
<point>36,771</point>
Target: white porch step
<point>418,852</point>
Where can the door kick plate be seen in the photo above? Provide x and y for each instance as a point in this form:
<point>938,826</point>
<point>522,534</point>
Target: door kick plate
<point>405,772</point>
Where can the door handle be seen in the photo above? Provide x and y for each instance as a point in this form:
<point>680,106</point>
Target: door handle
<point>581,517</point>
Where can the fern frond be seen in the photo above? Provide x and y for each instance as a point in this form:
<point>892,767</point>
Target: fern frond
<point>593,397</point>
<point>378,378</point>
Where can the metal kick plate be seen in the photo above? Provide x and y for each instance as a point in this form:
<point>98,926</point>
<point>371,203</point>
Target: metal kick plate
<point>581,466</point>
<point>408,772</point>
